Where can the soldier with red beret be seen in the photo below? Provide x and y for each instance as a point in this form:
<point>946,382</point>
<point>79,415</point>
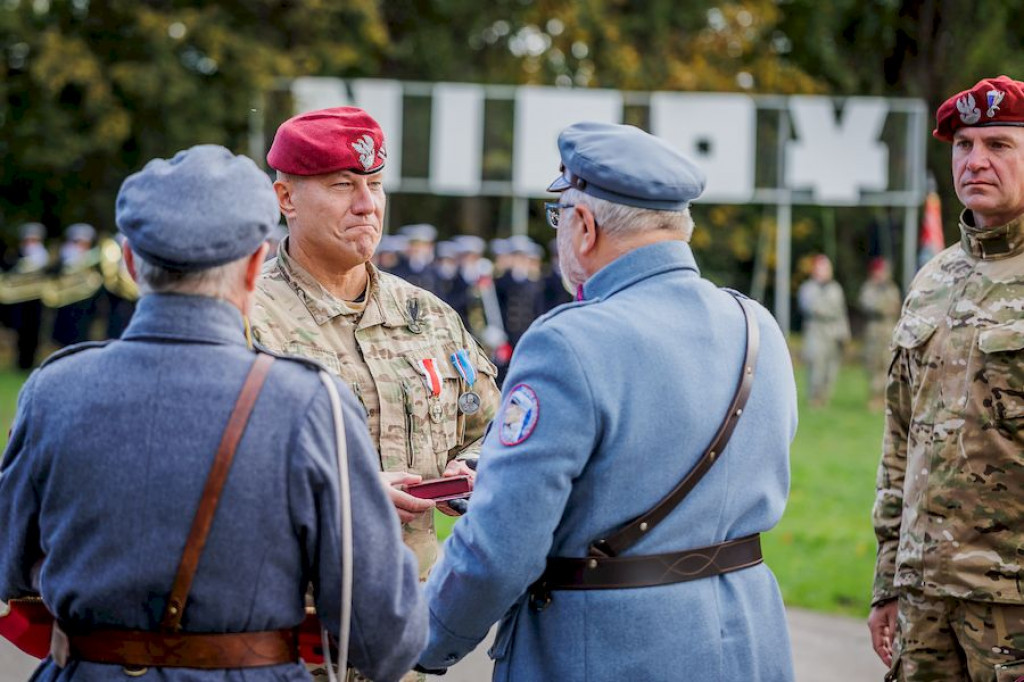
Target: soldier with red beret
<point>948,599</point>
<point>427,388</point>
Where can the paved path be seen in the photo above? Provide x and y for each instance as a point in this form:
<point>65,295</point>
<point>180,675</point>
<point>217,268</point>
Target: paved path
<point>823,647</point>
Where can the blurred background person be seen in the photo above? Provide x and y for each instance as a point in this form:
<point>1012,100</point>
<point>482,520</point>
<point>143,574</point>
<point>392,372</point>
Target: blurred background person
<point>555,293</point>
<point>826,328</point>
<point>446,269</point>
<point>76,289</point>
<point>879,301</point>
<point>22,292</point>
<point>417,267</point>
<point>389,253</point>
<point>520,294</point>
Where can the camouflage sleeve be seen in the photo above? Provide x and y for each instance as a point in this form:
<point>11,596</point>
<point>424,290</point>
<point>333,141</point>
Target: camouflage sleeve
<point>490,398</point>
<point>888,509</point>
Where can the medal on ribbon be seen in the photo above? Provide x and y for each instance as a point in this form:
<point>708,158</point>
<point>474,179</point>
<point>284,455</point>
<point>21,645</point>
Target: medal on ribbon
<point>469,401</point>
<point>428,368</point>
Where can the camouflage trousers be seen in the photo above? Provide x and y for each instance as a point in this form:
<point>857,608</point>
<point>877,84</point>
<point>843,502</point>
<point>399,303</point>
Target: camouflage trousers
<point>954,639</point>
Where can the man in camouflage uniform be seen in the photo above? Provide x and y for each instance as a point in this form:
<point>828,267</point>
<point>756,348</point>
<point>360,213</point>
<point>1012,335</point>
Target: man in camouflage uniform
<point>948,600</point>
<point>880,302</point>
<point>826,328</point>
<point>396,345</point>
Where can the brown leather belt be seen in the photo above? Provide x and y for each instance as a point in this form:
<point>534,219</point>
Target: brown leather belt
<point>609,573</point>
<point>138,648</point>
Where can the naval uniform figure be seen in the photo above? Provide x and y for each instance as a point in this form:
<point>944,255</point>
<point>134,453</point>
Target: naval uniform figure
<point>609,402</point>
<point>112,443</point>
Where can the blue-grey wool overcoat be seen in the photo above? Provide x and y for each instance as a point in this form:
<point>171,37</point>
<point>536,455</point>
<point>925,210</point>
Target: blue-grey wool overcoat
<point>608,403</point>
<point>110,449</point>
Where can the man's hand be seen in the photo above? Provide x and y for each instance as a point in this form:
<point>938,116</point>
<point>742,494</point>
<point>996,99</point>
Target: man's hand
<point>457,467</point>
<point>882,624</point>
<point>407,506</point>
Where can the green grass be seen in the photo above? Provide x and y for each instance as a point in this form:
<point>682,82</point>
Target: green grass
<point>823,550</point>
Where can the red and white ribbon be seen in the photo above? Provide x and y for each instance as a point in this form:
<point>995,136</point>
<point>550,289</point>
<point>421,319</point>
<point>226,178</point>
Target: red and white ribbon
<point>428,368</point>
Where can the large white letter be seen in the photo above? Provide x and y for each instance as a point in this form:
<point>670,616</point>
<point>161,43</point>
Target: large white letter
<point>837,160</point>
<point>383,100</point>
<point>456,138</point>
<point>314,92</point>
<point>715,130</point>
<point>380,99</point>
<point>542,113</point>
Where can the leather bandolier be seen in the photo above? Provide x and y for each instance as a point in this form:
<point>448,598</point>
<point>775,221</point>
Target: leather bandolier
<point>169,646</point>
<point>603,568</point>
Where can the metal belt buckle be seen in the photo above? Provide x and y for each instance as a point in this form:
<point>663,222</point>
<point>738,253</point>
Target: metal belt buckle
<point>540,597</point>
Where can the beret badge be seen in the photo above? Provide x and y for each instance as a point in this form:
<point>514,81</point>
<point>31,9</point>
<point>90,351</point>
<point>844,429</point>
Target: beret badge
<point>994,98</point>
<point>367,153</point>
<point>969,113</point>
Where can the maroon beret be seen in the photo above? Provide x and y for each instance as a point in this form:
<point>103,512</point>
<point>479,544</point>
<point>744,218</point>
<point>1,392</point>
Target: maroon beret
<point>992,102</point>
<point>328,140</point>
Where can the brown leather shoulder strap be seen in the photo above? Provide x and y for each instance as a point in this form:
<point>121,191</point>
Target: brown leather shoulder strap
<point>627,536</point>
<point>211,493</point>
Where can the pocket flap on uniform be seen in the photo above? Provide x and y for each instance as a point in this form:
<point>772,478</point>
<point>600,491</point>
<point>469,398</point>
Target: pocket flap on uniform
<point>912,331</point>
<point>1002,338</point>
<point>324,356</point>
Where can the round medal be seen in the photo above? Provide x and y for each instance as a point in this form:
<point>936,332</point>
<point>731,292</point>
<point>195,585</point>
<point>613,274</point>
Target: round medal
<point>469,402</point>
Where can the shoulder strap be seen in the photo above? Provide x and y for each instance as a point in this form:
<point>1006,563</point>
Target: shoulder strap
<point>211,493</point>
<point>627,536</point>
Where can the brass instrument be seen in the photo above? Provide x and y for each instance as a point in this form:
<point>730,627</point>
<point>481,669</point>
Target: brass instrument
<point>115,275</point>
<point>74,284</point>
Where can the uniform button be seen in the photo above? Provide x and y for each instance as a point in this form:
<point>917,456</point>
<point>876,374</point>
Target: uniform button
<point>451,658</point>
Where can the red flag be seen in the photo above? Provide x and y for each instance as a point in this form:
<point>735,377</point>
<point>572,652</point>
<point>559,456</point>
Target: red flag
<point>931,241</point>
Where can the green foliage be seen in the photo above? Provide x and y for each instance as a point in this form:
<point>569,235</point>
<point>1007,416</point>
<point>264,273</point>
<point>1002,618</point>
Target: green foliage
<point>90,91</point>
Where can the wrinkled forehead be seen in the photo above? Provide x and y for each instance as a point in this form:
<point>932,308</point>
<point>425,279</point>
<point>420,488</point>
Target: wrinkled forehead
<point>1008,133</point>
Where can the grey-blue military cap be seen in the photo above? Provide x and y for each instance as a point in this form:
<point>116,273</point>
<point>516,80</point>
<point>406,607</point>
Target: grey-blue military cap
<point>500,247</point>
<point>203,208</point>
<point>32,231</point>
<point>470,243</point>
<point>520,243</point>
<point>420,232</point>
<point>446,249</point>
<point>392,243</point>
<point>80,232</point>
<point>625,165</point>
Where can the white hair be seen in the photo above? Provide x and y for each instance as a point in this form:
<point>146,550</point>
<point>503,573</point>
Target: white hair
<point>619,220</point>
<point>222,281</point>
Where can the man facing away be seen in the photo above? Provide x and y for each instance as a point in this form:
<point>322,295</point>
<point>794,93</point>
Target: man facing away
<point>609,403</point>
<point>948,599</point>
<point>112,442</point>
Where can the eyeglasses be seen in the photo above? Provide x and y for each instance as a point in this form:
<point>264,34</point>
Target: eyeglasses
<point>553,211</point>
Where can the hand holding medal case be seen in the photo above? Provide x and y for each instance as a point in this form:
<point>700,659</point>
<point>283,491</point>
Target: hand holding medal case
<point>442,489</point>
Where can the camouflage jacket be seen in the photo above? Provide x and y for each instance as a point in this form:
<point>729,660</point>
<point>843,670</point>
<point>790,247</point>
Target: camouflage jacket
<point>413,429</point>
<point>948,514</point>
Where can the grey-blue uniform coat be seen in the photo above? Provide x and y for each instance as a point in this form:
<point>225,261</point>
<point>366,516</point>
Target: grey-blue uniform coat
<point>110,449</point>
<point>631,384</point>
